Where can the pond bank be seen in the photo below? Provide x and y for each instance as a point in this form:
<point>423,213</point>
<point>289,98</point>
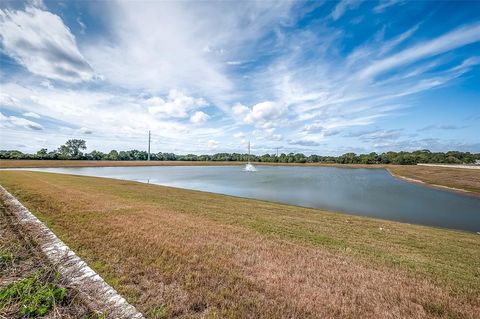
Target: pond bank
<point>438,186</point>
<point>193,254</point>
<point>364,192</point>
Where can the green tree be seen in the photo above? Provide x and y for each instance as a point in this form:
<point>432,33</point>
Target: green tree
<point>72,149</point>
<point>95,156</point>
<point>43,153</point>
<point>112,156</point>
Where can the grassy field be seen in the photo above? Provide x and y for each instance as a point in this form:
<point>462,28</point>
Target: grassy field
<point>459,178</point>
<point>188,254</point>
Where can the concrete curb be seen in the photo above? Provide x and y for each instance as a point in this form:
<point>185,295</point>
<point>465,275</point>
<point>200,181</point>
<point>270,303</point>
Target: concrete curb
<point>94,291</point>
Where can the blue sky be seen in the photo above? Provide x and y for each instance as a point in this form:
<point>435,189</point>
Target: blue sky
<point>314,77</point>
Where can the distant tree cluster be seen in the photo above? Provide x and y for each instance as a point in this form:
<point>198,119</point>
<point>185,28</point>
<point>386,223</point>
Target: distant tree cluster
<point>72,150</point>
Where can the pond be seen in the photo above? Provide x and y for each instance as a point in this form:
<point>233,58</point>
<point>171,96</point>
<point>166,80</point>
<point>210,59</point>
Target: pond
<point>365,192</point>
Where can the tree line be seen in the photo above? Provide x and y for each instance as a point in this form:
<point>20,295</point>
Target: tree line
<point>73,150</point>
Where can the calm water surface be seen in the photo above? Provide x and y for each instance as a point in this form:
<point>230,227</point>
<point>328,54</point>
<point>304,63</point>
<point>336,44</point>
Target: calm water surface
<point>366,192</point>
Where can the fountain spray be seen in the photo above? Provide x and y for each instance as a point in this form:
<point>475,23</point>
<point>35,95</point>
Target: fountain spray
<point>249,167</point>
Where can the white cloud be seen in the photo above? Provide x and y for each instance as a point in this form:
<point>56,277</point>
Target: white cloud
<point>324,96</point>
<point>82,25</point>
<point>239,135</point>
<point>314,128</point>
<point>212,144</point>
<point>40,41</point>
<point>451,40</point>
<point>31,114</point>
<point>267,134</point>
<point>187,51</point>
<point>381,135</point>
<point>264,111</point>
<point>304,143</point>
<point>154,101</point>
<point>240,110</point>
<point>7,100</point>
<point>38,4</point>
<point>386,4</point>
<point>84,130</point>
<point>117,121</point>
<point>398,40</point>
<point>177,105</point>
<point>199,117</point>
<point>14,121</point>
<point>264,114</point>
<point>47,84</point>
<point>342,7</point>
<point>465,66</point>
<point>305,95</point>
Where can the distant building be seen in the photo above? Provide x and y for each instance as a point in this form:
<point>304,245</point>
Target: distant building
<point>477,162</point>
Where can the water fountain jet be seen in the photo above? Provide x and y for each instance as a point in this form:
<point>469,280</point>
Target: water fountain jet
<point>249,167</point>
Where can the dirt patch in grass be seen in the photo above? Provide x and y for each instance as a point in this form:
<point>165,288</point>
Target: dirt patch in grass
<point>187,254</point>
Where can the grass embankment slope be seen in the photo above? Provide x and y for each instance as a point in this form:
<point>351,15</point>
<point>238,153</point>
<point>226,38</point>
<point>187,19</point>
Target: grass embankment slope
<point>189,254</point>
<point>459,178</point>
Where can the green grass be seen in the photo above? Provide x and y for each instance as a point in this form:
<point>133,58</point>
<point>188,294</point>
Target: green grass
<point>36,295</point>
<point>158,312</point>
<point>6,259</point>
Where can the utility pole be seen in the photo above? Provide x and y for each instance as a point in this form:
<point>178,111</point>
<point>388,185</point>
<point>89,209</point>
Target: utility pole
<point>277,151</point>
<point>149,137</point>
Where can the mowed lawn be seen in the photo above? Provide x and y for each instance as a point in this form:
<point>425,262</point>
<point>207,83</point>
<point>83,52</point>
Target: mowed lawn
<point>189,254</point>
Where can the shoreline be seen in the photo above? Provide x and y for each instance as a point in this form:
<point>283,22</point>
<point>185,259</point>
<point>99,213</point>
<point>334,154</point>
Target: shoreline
<point>5,163</point>
<point>87,163</point>
<point>436,186</point>
<point>25,164</point>
<point>334,211</point>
